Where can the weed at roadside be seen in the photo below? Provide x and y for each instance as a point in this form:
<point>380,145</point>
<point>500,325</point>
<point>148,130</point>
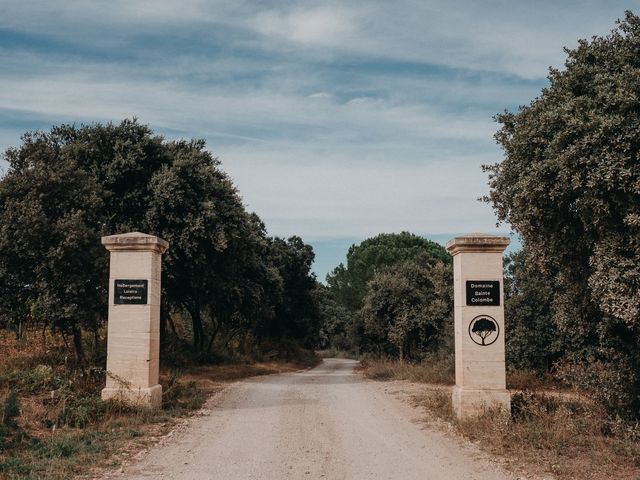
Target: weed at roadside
<point>572,439</point>
<point>436,370</point>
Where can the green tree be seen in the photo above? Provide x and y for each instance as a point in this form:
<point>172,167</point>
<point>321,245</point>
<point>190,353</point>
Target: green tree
<point>195,207</point>
<point>52,268</point>
<point>336,322</point>
<point>533,341</point>
<point>570,186</point>
<point>349,283</point>
<point>68,187</point>
<point>296,315</point>
<point>408,306</point>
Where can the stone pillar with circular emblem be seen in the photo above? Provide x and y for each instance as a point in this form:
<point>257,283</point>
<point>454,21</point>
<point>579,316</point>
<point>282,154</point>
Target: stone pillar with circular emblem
<point>479,323</point>
<point>133,340</point>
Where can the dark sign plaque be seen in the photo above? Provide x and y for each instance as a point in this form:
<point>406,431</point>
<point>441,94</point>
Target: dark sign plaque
<point>130,292</point>
<point>483,293</point>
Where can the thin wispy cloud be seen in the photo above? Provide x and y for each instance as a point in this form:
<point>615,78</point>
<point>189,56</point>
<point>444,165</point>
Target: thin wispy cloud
<point>337,120</point>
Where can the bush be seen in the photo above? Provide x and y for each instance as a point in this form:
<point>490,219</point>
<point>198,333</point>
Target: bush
<point>10,410</point>
<point>32,380</point>
<point>178,395</point>
<point>81,411</point>
<point>602,380</point>
<point>10,432</point>
<point>568,185</point>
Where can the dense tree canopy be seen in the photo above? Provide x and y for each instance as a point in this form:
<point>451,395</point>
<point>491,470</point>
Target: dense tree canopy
<point>533,341</point>
<point>408,306</point>
<point>570,185</point>
<point>68,187</point>
<point>336,322</point>
<point>393,297</point>
<point>349,283</point>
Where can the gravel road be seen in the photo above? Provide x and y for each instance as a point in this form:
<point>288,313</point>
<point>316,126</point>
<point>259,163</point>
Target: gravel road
<point>324,423</point>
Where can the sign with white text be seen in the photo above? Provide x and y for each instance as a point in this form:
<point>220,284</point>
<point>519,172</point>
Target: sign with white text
<point>483,293</point>
<point>130,292</point>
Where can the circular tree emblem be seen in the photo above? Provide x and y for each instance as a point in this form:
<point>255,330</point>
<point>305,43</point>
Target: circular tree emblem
<point>484,330</point>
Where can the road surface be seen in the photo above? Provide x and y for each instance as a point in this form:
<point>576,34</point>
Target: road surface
<point>324,423</point>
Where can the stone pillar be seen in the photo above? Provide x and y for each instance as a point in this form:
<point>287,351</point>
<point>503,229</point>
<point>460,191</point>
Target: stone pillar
<point>133,342</point>
<point>479,323</point>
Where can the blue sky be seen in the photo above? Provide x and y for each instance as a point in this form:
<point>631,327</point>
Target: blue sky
<point>336,120</point>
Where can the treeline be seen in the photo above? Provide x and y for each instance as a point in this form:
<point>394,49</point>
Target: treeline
<point>393,297</point>
<point>224,280</point>
<point>569,185</point>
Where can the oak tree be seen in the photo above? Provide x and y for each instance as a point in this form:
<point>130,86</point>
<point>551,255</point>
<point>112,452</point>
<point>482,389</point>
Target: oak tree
<point>570,186</point>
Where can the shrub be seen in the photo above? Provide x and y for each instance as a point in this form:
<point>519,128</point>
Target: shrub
<point>10,410</point>
<point>15,466</point>
<point>10,433</point>
<point>177,394</point>
<point>81,411</point>
<point>602,380</point>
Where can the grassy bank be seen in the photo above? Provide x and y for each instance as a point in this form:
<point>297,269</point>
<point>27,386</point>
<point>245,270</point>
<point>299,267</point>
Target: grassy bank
<point>547,430</point>
<point>53,423</point>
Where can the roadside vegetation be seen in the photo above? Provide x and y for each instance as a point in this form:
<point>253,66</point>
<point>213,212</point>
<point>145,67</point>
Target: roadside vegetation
<point>235,301</point>
<point>54,423</point>
<point>570,437</point>
<point>436,371</point>
<point>569,187</point>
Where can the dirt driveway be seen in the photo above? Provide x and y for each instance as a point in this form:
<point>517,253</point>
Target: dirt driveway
<point>324,423</point>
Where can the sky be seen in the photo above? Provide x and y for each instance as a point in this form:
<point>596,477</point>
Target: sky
<point>336,120</point>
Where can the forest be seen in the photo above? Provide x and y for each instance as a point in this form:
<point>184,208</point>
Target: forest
<point>226,285</point>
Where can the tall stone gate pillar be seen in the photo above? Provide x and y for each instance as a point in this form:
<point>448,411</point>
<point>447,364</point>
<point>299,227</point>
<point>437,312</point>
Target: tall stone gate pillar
<point>133,341</point>
<point>479,323</point>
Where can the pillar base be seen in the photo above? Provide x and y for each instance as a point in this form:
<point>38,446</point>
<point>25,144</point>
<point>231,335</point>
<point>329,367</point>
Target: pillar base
<point>469,402</point>
<point>145,397</point>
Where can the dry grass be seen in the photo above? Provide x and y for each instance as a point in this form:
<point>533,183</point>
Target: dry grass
<point>550,430</point>
<point>436,371</point>
<point>523,381</point>
<point>545,434</point>
<point>335,353</point>
<point>56,435</point>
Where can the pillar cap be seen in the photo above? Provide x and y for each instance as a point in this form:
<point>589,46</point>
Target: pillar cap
<point>477,242</point>
<point>135,242</point>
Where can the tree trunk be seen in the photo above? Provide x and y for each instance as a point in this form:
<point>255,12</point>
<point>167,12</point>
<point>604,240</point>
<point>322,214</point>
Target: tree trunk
<point>213,337</point>
<point>172,325</point>
<point>96,340</point>
<point>19,331</point>
<point>230,337</point>
<point>77,345</point>
<point>198,330</point>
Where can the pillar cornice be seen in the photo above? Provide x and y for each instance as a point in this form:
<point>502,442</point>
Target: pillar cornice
<point>135,241</point>
<point>477,242</point>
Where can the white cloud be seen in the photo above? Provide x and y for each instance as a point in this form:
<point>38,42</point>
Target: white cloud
<point>519,38</point>
<point>335,120</point>
<point>324,26</point>
<point>334,197</point>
